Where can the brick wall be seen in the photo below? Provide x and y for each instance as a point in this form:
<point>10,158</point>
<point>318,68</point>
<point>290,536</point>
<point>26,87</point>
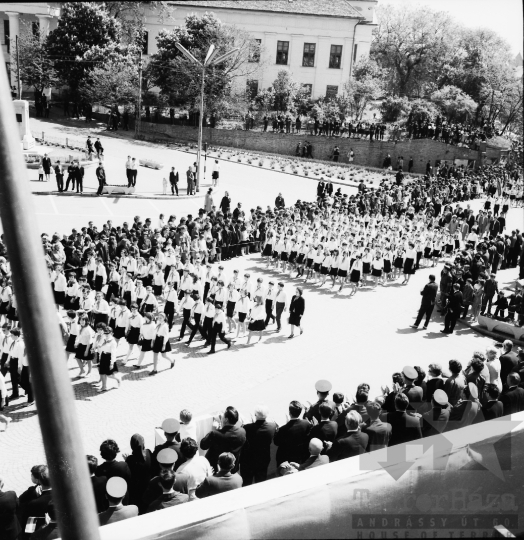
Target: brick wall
<point>367,153</point>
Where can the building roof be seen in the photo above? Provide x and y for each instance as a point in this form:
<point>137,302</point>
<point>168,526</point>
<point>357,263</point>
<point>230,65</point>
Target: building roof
<point>323,8</point>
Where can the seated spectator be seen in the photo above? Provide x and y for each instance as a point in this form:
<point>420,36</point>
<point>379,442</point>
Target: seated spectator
<point>256,453</point>
<point>50,530</point>
<point>352,444</point>
<point>170,497</point>
<point>196,467</point>
<point>37,507</point>
<point>9,525</point>
<point>99,484</point>
<point>223,480</point>
<point>379,432</point>
<point>116,490</point>
<point>224,438</point>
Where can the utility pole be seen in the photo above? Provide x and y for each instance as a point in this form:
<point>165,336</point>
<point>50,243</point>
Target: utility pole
<point>200,122</point>
<point>18,70</point>
<point>139,107</point>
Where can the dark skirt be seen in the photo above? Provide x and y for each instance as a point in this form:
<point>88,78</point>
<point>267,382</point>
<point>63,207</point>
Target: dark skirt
<point>283,256</point>
<point>59,297</point>
<point>113,289</point>
<point>133,335</point>
<point>256,326</point>
<point>158,345</point>
<point>276,255</point>
<point>436,253</point>
<point>294,319</point>
<point>398,262</point>
<point>387,266</point>
<point>149,308</point>
<point>333,272</point>
<point>309,262</point>
<point>99,318</point>
<point>99,283</point>
<point>268,250</point>
<point>449,248</point>
<point>355,276</point>
<point>127,298</point>
<point>72,302</point>
<point>12,314</point>
<point>324,270</point>
<point>409,267</point>
<point>376,272</point>
<point>157,290</point>
<point>3,308</point>
<point>70,346</point>
<point>427,253</point>
<point>316,267</point>
<point>366,268</point>
<point>120,332</point>
<point>242,317</point>
<point>80,351</point>
<point>300,258</point>
<point>105,365</point>
<point>292,256</point>
<point>343,273</point>
<point>146,345</point>
<point>230,310</point>
<point>112,324</point>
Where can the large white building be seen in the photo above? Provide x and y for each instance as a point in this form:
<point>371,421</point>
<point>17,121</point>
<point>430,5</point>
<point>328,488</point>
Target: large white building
<point>318,41</point>
<point>38,15</point>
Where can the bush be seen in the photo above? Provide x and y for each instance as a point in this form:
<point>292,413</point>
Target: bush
<point>424,110</point>
<point>393,107</point>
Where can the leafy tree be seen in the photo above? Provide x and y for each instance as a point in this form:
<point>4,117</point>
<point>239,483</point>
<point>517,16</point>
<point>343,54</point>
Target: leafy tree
<point>423,110</point>
<point>326,108</point>
<point>454,103</point>
<point>265,99</point>
<point>414,45</point>
<point>285,91</point>
<point>393,108</point>
<point>180,79</point>
<point>36,68</point>
<point>82,26</point>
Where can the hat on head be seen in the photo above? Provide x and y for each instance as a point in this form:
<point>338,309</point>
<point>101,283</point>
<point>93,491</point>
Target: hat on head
<point>410,372</point>
<point>167,456</point>
<point>171,425</point>
<point>323,386</point>
<point>116,487</point>
<point>473,390</point>
<point>440,397</point>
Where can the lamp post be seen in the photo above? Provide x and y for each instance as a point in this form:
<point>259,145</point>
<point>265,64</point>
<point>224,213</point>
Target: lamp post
<point>210,60</point>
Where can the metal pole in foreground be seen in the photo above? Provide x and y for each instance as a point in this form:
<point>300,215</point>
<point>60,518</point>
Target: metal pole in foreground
<point>72,490</point>
<point>18,70</point>
<point>139,114</point>
<point>199,152</point>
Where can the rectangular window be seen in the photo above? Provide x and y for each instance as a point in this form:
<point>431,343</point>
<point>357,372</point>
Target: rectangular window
<point>35,26</point>
<point>282,52</point>
<point>335,56</point>
<point>355,52</point>
<point>254,52</point>
<point>308,89</point>
<point>6,35</point>
<point>145,43</point>
<point>331,91</point>
<point>252,89</point>
<point>308,60</point>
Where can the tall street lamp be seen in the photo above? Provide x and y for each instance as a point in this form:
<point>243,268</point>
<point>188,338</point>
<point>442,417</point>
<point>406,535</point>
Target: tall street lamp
<point>210,60</point>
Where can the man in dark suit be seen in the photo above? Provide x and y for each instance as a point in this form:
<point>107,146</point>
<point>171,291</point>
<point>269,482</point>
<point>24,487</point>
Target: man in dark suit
<point>404,428</point>
<point>171,427</point>
<point>436,419</point>
<point>99,484</point>
<point>512,398</point>
<point>379,432</point>
<point>9,524</point>
<point>49,531</point>
<point>429,294</point>
<point>493,408</point>
<point>292,438</point>
<point>38,507</point>
<point>323,388</point>
<point>491,287</point>
<point>223,480</point>
<point>111,467</point>
<point>353,444</point>
<point>413,392</point>
<point>508,361</point>
<point>465,411</point>
<point>79,175</point>
<point>116,490</point>
<point>326,429</point>
<point>225,438</point>
<point>316,458</point>
<point>256,453</point>
<point>453,310</point>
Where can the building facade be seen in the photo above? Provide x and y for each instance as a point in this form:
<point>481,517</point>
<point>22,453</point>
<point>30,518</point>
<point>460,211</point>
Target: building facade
<point>317,41</point>
<point>41,16</point>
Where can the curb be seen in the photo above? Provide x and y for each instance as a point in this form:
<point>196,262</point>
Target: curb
<point>119,196</point>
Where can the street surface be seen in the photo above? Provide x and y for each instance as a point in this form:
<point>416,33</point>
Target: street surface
<point>347,341</point>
